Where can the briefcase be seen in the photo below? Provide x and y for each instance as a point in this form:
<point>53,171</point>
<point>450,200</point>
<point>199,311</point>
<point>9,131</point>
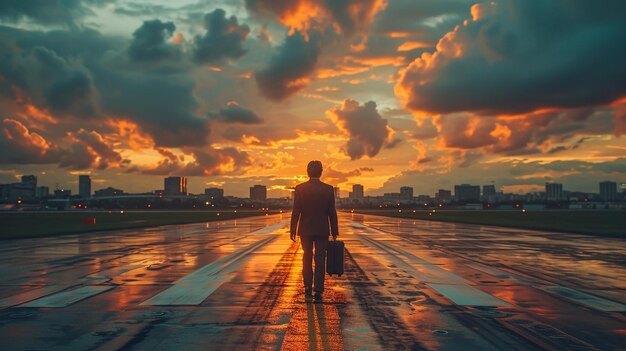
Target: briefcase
<point>334,257</point>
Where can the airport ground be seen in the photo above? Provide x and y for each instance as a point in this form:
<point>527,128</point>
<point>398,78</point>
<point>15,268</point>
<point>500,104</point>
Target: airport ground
<point>611,223</point>
<point>593,222</point>
<point>236,285</point>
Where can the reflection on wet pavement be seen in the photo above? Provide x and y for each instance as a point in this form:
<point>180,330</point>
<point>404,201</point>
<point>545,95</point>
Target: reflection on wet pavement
<point>236,285</point>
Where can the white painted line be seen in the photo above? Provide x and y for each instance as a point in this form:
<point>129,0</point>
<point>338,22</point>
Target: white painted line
<point>200,284</point>
<point>589,300</point>
<point>30,295</point>
<point>422,270</point>
<point>452,286</point>
<point>270,229</point>
<point>571,294</point>
<point>66,298</point>
<point>465,295</point>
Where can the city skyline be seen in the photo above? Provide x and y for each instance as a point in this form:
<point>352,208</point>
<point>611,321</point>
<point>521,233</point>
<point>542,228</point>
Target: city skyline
<point>177,186</point>
<point>233,94</point>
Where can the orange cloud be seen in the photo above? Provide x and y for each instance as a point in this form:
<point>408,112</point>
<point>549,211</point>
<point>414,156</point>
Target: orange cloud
<point>412,45</point>
<point>129,134</point>
<point>18,135</point>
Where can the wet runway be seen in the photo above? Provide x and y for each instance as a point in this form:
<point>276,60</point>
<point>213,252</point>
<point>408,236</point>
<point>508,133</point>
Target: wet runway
<point>236,285</point>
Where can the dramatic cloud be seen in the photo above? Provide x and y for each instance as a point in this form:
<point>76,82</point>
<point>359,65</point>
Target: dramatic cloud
<point>89,150</point>
<point>428,18</point>
<point>337,177</point>
<point>41,76</point>
<point>367,130</point>
<point>467,132</point>
<point>162,105</point>
<point>524,134</point>
<point>233,113</point>
<point>348,16</point>
<point>517,56</point>
<point>223,39</point>
<point>150,42</point>
<point>288,72</point>
<point>21,146</point>
<point>46,12</point>
<point>206,163</point>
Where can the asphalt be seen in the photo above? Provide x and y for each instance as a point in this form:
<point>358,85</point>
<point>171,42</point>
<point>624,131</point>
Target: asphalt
<point>236,285</point>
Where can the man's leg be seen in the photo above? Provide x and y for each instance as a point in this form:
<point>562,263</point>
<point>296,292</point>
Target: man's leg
<point>320,263</point>
<point>307,258</point>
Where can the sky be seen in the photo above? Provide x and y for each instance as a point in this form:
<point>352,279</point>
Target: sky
<point>386,93</point>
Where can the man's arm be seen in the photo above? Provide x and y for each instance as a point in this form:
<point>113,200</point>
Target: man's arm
<point>295,216</point>
<point>332,215</point>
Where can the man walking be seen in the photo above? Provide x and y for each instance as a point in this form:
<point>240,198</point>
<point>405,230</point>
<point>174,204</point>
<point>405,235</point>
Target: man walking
<point>314,218</point>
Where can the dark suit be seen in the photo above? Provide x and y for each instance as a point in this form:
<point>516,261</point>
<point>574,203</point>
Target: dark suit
<point>314,218</point>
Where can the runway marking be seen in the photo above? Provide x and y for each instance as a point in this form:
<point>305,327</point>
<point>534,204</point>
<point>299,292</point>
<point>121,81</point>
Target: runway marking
<point>271,228</point>
<point>450,285</point>
<point>195,287</point>
<point>586,299</point>
<point>30,295</point>
<point>571,294</point>
<point>465,295</point>
<point>66,298</point>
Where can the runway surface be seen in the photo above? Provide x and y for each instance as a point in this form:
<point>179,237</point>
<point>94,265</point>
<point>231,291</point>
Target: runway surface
<point>236,285</point>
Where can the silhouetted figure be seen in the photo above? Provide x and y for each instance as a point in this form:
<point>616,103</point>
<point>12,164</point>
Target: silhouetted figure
<point>314,218</point>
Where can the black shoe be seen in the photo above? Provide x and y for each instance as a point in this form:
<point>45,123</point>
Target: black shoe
<point>318,297</point>
<point>308,295</point>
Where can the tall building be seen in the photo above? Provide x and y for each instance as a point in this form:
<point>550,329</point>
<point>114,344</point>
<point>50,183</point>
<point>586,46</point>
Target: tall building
<point>406,193</point>
<point>337,192</point>
<point>357,191</point>
<point>175,186</point>
<point>554,191</point>
<point>258,193</point>
<point>30,181</point>
<point>214,193</point>
<point>84,186</point>
<point>443,196</point>
<point>42,192</point>
<point>467,193</point>
<point>489,190</point>
<point>608,191</point>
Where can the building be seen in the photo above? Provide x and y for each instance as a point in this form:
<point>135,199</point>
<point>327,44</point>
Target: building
<point>391,197</point>
<point>24,190</point>
<point>175,186</point>
<point>489,193</point>
<point>42,192</point>
<point>108,192</point>
<point>258,193</point>
<point>357,191</point>
<point>423,199</point>
<point>406,193</point>
<point>29,181</point>
<point>489,190</point>
<point>443,196</point>
<point>337,193</point>
<point>467,193</point>
<point>608,191</point>
<point>554,191</point>
<point>62,194</point>
<point>84,186</point>
<point>214,193</point>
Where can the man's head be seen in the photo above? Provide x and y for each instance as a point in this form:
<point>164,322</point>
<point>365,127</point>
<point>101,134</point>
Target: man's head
<point>314,169</point>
